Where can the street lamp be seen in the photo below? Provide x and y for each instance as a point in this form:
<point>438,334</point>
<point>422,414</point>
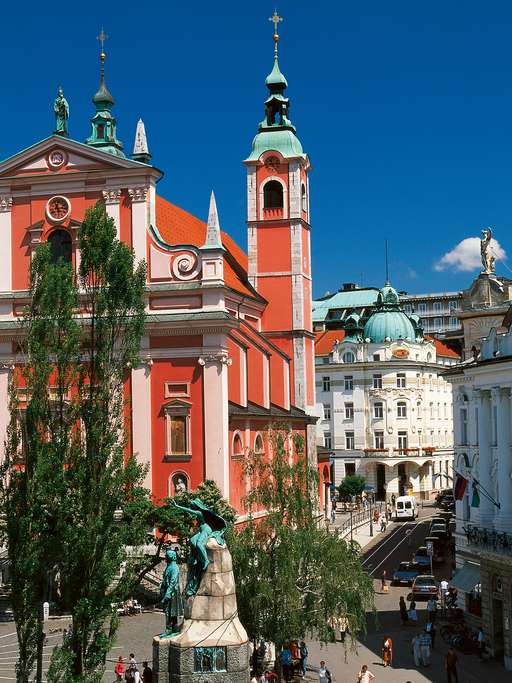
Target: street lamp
<point>371,516</point>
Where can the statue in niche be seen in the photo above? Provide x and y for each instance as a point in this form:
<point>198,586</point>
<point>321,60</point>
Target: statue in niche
<point>61,109</point>
<point>170,594</point>
<point>210,525</point>
<point>488,260</point>
<point>180,485</point>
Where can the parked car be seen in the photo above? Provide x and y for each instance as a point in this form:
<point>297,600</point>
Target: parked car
<point>448,503</point>
<point>425,587</point>
<point>438,520</point>
<point>438,544</point>
<point>439,530</point>
<point>446,515</point>
<point>421,557</point>
<point>442,493</point>
<point>405,573</point>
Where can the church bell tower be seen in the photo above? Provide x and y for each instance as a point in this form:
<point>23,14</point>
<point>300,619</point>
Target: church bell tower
<point>279,233</point>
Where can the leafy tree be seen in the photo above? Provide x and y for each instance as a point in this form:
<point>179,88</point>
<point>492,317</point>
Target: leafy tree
<point>292,575</point>
<point>352,485</point>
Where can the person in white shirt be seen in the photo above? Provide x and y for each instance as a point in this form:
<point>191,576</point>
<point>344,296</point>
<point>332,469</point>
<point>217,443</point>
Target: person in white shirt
<point>365,676</point>
<point>324,675</point>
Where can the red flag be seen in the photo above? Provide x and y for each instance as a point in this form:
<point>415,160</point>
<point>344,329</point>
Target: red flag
<point>460,487</point>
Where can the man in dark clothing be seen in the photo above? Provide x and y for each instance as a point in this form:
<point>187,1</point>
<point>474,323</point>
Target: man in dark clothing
<point>450,663</point>
<point>147,674</point>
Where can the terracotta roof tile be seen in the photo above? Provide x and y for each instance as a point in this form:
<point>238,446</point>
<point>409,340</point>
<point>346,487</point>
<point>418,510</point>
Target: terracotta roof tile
<point>177,226</point>
<point>442,349</point>
<point>324,341</point>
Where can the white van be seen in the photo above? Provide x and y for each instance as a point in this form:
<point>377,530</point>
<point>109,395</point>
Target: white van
<point>406,507</point>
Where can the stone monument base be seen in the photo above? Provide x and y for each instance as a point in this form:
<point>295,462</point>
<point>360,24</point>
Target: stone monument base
<point>174,664</point>
<point>212,645</point>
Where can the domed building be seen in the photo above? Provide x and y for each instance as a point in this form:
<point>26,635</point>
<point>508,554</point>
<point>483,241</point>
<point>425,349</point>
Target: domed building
<point>387,412</point>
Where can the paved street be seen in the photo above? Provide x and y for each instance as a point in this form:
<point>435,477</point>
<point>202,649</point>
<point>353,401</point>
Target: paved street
<point>385,551</point>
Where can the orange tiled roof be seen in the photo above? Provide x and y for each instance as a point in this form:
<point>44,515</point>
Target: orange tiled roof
<point>442,349</point>
<point>177,226</point>
<point>324,341</point>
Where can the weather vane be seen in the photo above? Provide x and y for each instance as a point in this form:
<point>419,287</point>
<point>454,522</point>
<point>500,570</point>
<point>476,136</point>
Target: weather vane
<point>102,37</point>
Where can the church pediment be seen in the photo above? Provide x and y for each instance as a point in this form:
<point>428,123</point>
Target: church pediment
<point>59,155</point>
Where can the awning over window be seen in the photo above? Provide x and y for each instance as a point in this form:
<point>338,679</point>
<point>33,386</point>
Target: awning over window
<point>466,578</point>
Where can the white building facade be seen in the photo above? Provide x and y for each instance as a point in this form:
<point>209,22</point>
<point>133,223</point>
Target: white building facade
<point>482,391</point>
<point>387,412</point>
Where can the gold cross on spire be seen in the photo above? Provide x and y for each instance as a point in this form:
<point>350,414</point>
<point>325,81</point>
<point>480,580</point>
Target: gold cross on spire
<point>275,19</point>
<point>102,37</point>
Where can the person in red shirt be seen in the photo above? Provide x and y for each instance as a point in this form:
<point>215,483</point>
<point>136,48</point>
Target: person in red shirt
<point>119,668</point>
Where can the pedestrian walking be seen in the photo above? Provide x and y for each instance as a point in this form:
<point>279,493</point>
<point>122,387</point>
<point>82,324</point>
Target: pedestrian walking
<point>431,610</point>
<point>383,584</point>
<point>147,673</point>
<point>119,668</point>
<point>387,651</point>
<point>383,523</point>
<point>480,639</point>
<point>324,675</point>
<point>403,611</point>
<point>430,628</point>
<point>287,662</point>
<point>343,626</point>
<point>425,646</point>
<point>388,512</point>
<point>412,614</point>
<point>393,500</point>
<point>450,663</point>
<point>416,651</point>
<point>333,513</point>
<point>365,675</point>
<point>303,657</point>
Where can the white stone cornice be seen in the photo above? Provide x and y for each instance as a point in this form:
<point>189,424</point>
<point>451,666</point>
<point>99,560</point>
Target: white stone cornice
<point>5,203</point>
<point>138,194</point>
<point>111,196</point>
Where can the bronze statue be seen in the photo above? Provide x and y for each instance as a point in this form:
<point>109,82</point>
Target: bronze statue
<point>171,594</point>
<point>210,525</point>
<point>61,109</point>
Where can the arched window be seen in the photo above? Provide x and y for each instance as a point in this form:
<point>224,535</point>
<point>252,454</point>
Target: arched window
<point>349,357</point>
<point>304,201</point>
<point>273,195</point>
<point>401,409</point>
<point>60,246</point>
<point>258,445</point>
<point>238,448</point>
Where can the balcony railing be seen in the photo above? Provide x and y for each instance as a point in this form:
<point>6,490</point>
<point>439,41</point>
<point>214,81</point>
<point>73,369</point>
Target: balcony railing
<point>489,539</point>
<point>395,452</point>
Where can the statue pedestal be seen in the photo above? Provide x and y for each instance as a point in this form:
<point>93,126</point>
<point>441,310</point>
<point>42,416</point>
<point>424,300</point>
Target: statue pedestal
<point>212,645</point>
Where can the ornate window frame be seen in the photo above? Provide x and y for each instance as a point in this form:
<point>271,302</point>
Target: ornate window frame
<point>171,490</point>
<point>182,408</point>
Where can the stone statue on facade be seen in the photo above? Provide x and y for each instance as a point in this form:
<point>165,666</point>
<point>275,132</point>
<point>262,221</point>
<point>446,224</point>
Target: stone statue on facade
<point>210,525</point>
<point>170,594</point>
<point>488,260</point>
<point>61,109</point>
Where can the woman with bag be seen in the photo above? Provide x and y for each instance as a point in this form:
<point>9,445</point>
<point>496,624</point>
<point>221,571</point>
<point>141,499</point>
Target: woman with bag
<point>413,615</point>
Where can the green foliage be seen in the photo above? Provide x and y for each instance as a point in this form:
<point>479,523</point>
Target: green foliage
<point>352,485</point>
<point>292,575</point>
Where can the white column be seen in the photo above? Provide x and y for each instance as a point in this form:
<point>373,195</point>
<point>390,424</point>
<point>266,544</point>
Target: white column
<point>141,414</point>
<point>216,417</point>
<point>6,241</point>
<point>4,408</point>
<point>112,198</point>
<point>503,516</point>
<point>485,456</point>
<point>139,196</point>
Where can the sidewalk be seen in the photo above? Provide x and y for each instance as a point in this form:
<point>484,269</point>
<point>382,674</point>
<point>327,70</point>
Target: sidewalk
<point>361,534</point>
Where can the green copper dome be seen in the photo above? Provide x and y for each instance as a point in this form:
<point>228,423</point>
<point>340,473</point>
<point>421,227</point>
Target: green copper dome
<point>389,322</point>
<point>283,141</point>
<point>276,78</point>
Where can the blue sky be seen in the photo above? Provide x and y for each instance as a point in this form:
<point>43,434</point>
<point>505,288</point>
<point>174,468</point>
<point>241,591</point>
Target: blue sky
<point>405,109</point>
